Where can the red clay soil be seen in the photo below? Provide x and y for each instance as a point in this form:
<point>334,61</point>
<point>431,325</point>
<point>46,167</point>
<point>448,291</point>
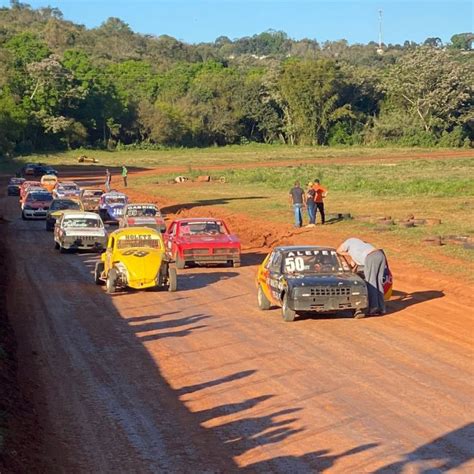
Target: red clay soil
<point>202,381</point>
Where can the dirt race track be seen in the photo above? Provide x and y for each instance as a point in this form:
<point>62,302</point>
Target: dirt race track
<point>202,381</point>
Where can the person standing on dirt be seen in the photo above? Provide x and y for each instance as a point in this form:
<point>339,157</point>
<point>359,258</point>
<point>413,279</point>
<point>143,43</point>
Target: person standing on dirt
<point>108,180</point>
<point>374,262</point>
<point>311,205</point>
<point>320,194</point>
<point>124,175</point>
<point>297,200</point>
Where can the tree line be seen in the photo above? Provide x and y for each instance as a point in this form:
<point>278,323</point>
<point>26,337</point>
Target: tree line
<point>65,86</point>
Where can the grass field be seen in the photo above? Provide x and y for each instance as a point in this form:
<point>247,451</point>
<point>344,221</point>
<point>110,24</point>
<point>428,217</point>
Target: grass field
<point>202,157</point>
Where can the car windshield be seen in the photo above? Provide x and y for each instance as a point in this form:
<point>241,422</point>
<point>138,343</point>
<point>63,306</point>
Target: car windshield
<point>69,187</point>
<point>115,200</point>
<point>39,197</point>
<point>62,205</point>
<point>313,261</point>
<point>82,222</point>
<point>92,194</point>
<point>149,211</point>
<point>202,228</point>
<point>138,240</point>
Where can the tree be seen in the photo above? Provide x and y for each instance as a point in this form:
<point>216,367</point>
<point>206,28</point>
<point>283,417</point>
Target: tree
<point>432,86</point>
<point>310,99</point>
<point>462,41</point>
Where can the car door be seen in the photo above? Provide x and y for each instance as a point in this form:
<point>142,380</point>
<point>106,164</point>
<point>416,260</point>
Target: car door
<point>275,276</point>
<point>109,252</point>
<point>170,238</point>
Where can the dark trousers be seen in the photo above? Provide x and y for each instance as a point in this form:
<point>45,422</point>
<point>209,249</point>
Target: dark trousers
<point>320,208</point>
<point>374,269</point>
<point>124,181</point>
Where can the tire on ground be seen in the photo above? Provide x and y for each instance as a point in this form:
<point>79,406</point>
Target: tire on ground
<point>180,263</point>
<point>99,268</point>
<point>263,302</point>
<point>111,282</point>
<point>172,279</point>
<point>287,313</point>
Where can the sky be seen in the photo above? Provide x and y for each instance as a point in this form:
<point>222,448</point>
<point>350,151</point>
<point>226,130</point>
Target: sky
<point>196,21</point>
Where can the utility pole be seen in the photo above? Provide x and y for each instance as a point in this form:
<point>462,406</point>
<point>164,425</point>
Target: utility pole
<point>380,49</point>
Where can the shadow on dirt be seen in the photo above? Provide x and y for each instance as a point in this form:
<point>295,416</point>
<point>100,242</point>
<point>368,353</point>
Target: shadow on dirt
<point>453,449</point>
<point>193,281</point>
<point>174,209</point>
<point>402,300</point>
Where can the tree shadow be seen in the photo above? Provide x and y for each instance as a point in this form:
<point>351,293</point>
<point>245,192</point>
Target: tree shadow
<point>175,208</point>
<point>316,461</point>
<point>401,300</point>
<point>454,449</point>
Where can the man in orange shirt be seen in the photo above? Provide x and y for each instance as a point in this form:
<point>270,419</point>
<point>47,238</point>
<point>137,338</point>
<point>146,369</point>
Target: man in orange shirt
<point>320,194</point>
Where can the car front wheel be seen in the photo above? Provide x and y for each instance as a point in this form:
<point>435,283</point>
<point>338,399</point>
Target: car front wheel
<point>180,263</point>
<point>111,282</point>
<point>287,313</point>
<point>172,280</point>
<point>99,268</point>
<point>263,301</point>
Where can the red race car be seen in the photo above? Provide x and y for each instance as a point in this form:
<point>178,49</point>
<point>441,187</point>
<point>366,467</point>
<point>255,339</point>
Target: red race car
<point>143,215</point>
<point>202,241</point>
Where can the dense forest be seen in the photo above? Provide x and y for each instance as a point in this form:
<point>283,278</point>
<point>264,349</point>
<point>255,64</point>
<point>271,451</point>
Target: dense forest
<point>65,86</point>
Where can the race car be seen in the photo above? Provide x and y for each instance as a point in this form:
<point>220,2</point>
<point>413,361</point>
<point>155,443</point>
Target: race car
<point>13,187</point>
<point>202,241</point>
<point>142,215</point>
<point>37,169</point>
<point>309,278</point>
<point>57,207</point>
<point>25,186</point>
<point>90,199</point>
<point>66,189</point>
<point>49,181</point>
<point>36,204</point>
<point>111,206</point>
<point>135,258</point>
<point>76,230</point>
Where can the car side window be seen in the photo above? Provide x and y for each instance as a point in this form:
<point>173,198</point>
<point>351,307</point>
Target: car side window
<point>173,229</point>
<point>275,262</point>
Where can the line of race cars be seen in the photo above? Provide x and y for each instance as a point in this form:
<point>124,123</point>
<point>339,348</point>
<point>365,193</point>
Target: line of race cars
<point>144,253</point>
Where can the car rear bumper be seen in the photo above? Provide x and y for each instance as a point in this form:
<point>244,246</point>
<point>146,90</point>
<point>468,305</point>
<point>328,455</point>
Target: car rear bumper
<point>234,257</point>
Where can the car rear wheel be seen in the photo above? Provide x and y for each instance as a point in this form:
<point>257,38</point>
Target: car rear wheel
<point>172,280</point>
<point>263,302</point>
<point>236,263</point>
<point>62,249</point>
<point>180,263</point>
<point>99,268</point>
<point>111,282</point>
<point>287,313</point>
<point>56,245</point>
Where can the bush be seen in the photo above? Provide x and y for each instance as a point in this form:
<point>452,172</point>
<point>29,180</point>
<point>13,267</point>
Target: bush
<point>452,139</point>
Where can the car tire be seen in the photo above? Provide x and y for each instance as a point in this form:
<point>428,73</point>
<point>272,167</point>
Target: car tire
<point>180,263</point>
<point>62,249</point>
<point>111,282</point>
<point>172,279</point>
<point>99,268</point>
<point>287,313</point>
<point>23,216</point>
<point>263,302</point>
<point>49,227</point>
<point>56,245</point>
<point>236,263</point>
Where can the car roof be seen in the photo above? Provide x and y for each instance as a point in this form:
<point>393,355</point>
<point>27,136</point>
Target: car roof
<point>68,213</point>
<point>115,193</point>
<point>198,219</point>
<point>293,248</point>
<point>61,183</point>
<point>142,204</point>
<point>135,230</point>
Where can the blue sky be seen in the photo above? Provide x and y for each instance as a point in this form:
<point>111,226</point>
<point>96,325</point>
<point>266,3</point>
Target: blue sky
<point>205,20</point>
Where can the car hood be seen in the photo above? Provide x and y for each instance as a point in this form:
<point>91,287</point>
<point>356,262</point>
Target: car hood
<point>220,239</point>
<point>141,263</point>
<point>324,279</point>
<point>38,204</point>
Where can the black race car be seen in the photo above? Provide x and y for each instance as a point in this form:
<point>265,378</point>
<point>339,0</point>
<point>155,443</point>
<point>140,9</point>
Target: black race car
<point>37,169</point>
<point>309,278</point>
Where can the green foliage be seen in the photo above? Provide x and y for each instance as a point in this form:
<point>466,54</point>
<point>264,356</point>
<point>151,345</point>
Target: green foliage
<point>64,86</point>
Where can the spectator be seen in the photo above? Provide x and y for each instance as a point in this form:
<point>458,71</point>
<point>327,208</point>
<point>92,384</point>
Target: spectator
<point>374,262</point>
<point>311,205</point>
<point>297,200</point>
<point>320,194</point>
<point>108,180</point>
<point>124,175</point>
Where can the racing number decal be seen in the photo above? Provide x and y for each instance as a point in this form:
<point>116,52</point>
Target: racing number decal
<point>293,264</point>
<point>136,253</point>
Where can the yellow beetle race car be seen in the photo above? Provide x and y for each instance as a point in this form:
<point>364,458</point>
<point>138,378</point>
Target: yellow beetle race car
<point>135,258</point>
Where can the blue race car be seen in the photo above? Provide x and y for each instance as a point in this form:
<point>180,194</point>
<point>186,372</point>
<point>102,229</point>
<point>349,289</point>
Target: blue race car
<point>111,206</point>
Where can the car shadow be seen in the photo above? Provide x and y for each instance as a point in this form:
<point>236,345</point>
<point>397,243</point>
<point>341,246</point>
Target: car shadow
<point>194,281</point>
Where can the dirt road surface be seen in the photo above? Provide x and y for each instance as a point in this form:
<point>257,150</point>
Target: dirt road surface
<point>201,381</point>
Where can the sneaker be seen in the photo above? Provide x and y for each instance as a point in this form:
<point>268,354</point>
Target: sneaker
<point>359,315</point>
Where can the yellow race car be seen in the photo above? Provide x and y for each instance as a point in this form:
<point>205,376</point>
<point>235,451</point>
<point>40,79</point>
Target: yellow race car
<point>135,258</point>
